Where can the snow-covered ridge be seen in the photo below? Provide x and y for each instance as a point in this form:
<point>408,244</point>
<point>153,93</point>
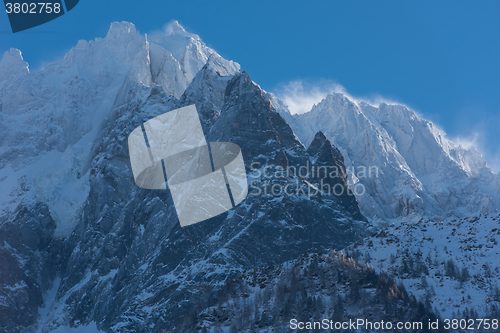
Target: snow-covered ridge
<point>421,171</point>
<point>50,118</point>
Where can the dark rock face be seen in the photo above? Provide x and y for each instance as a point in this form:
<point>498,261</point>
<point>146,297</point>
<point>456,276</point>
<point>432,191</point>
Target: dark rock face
<point>248,119</point>
<point>130,267</point>
<point>29,257</point>
<point>207,90</point>
<point>331,173</point>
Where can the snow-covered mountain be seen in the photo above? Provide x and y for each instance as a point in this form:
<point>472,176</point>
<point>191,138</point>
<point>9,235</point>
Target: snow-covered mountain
<point>82,245</point>
<point>50,119</point>
<point>405,163</point>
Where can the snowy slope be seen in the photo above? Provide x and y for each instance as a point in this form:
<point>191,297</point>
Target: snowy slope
<point>420,171</point>
<point>453,263</point>
<point>309,289</point>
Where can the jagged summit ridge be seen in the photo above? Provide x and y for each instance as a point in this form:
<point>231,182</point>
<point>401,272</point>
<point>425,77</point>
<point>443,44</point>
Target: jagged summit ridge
<point>12,64</point>
<point>421,171</point>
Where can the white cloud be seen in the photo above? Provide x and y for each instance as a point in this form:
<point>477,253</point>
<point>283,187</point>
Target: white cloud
<point>301,95</point>
<point>483,140</point>
<point>172,27</point>
<point>167,29</point>
<point>471,142</point>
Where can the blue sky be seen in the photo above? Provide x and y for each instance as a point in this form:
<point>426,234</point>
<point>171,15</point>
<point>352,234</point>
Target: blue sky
<point>440,58</point>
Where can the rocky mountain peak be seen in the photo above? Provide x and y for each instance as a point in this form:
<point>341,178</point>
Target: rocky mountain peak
<point>13,64</point>
<point>249,119</point>
<point>316,144</point>
<point>122,32</point>
<point>174,27</point>
<point>324,151</point>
